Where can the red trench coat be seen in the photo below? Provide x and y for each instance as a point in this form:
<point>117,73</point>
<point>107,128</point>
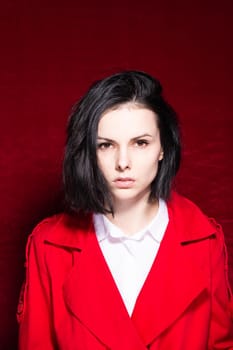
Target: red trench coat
<point>70,300</point>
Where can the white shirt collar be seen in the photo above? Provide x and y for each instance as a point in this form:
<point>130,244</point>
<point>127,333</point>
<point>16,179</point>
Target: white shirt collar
<point>156,228</point>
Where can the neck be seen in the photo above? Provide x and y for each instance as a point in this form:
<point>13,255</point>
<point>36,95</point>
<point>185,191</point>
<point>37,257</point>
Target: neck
<point>133,218</point>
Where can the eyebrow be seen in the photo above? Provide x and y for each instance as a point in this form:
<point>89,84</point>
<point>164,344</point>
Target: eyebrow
<point>134,138</point>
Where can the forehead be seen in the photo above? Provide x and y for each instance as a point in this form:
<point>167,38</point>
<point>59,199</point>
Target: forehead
<point>128,119</point>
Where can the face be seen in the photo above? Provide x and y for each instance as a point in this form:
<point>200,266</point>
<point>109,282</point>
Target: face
<point>128,152</point>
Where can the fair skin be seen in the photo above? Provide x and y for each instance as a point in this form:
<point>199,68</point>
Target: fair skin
<point>128,154</point>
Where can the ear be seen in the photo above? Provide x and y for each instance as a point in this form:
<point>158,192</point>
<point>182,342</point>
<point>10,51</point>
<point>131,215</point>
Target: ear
<point>161,155</point>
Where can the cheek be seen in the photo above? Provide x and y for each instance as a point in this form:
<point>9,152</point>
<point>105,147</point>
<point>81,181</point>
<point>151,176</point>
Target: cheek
<point>150,167</point>
<point>149,161</point>
<point>103,163</point>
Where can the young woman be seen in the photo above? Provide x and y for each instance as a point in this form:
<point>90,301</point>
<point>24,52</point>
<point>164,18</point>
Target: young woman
<point>130,265</point>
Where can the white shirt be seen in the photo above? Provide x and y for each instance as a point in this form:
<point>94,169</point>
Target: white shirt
<point>130,258</point>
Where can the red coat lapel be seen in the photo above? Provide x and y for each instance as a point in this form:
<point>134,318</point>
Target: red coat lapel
<point>92,296</point>
<point>177,277</point>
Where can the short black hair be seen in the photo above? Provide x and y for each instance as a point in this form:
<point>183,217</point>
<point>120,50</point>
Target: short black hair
<point>84,184</point>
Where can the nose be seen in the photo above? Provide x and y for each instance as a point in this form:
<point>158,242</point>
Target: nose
<point>123,160</point>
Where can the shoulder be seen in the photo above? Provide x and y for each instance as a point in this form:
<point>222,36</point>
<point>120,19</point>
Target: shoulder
<point>44,227</point>
<point>180,202</point>
<point>62,228</point>
<point>183,207</point>
<point>190,219</point>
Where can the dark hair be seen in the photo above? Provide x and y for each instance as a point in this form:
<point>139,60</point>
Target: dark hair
<point>85,185</point>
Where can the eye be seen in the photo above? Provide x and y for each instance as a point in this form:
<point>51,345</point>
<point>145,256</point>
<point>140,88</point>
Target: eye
<point>142,143</point>
<point>104,145</point>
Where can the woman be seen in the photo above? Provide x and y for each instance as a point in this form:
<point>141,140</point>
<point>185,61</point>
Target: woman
<point>131,265</point>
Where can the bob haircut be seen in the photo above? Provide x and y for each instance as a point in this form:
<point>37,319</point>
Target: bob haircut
<point>84,184</point>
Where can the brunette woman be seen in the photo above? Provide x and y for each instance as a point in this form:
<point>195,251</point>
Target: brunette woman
<point>130,264</point>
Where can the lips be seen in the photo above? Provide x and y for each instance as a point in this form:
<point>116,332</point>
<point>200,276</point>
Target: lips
<point>124,182</point>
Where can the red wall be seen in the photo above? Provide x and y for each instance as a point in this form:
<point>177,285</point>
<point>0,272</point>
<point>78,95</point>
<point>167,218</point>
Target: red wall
<point>52,50</point>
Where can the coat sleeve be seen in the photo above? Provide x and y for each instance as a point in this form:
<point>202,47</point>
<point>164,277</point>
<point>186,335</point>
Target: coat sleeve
<point>34,309</point>
<point>221,327</point>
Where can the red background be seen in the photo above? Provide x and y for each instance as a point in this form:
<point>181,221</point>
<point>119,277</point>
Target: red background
<point>52,50</point>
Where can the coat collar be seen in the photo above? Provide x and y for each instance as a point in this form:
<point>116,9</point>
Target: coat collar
<point>91,294</point>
